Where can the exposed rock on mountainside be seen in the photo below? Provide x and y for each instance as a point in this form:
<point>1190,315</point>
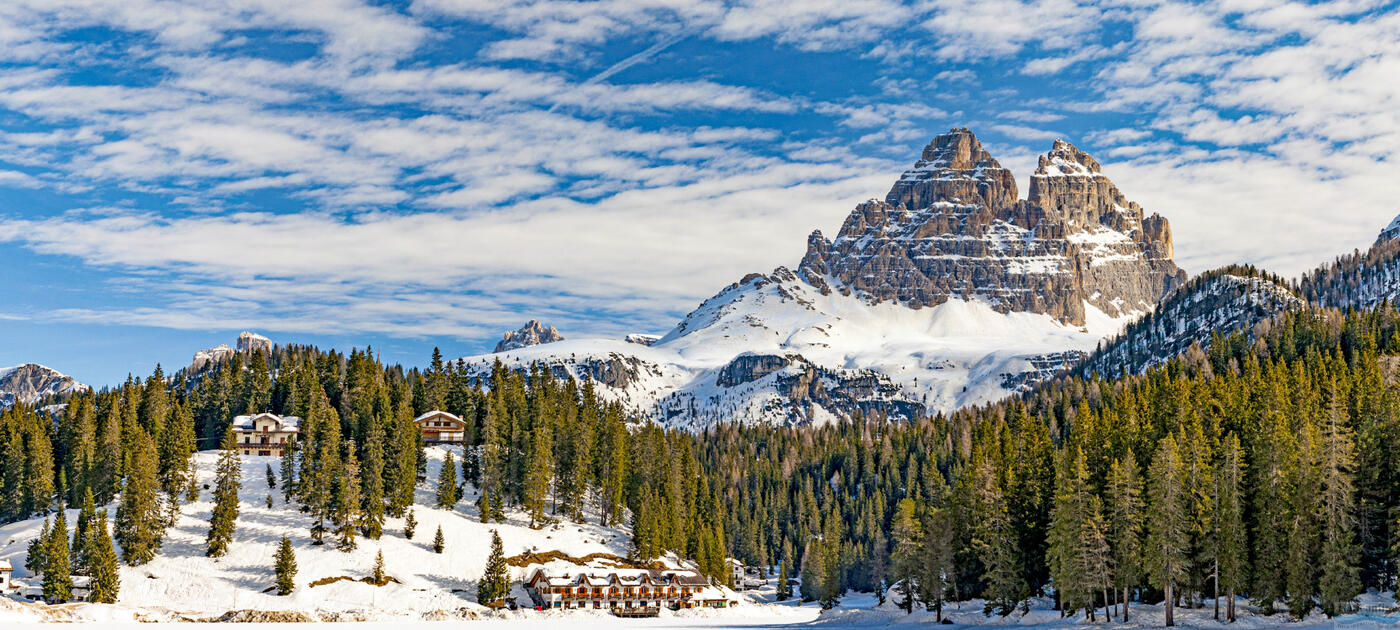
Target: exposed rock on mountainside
<point>953,227</point>
<point>533,333</point>
<point>949,292</point>
<point>1224,301</point>
<point>30,382</point>
<point>247,342</point>
<point>250,341</point>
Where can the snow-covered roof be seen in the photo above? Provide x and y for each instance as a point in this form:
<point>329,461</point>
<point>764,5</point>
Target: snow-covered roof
<point>284,423</point>
<point>437,414</point>
<point>5,565</point>
<point>623,577</point>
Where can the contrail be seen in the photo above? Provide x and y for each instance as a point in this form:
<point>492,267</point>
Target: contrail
<point>632,61</point>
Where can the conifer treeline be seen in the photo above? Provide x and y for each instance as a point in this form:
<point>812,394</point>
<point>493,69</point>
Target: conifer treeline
<point>1259,468</point>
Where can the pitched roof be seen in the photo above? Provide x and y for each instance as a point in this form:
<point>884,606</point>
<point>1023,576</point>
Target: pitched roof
<point>437,414</point>
<point>5,565</point>
<point>284,423</point>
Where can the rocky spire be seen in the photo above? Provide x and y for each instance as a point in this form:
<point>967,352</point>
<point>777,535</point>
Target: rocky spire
<point>952,227</point>
<point>954,168</point>
<point>533,333</point>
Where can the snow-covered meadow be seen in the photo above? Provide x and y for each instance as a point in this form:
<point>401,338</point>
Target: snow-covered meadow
<point>183,584</point>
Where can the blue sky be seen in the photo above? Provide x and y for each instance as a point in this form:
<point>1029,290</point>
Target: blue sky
<point>434,172</point>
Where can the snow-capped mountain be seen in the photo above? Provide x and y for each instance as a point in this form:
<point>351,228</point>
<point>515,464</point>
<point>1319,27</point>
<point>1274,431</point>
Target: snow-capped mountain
<point>951,291</point>
<point>1227,300</point>
<point>533,333</point>
<point>30,382</point>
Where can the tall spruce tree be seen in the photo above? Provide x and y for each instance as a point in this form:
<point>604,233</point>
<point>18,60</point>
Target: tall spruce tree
<point>102,561</point>
<point>346,501</point>
<point>58,576</point>
<point>937,571</point>
<point>495,580</point>
<point>447,491</point>
<point>1125,524</point>
<point>372,504</point>
<point>285,564</point>
<point>906,558</point>
<point>228,480</point>
<point>994,541</point>
<point>140,521</point>
<point>1232,546</point>
<point>1167,526</point>
<point>438,541</point>
<point>1340,582</point>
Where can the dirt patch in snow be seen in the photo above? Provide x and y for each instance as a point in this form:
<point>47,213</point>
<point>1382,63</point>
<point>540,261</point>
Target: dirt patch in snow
<point>346,578</point>
<point>614,561</point>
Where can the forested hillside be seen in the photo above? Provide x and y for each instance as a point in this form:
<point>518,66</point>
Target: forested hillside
<point>1259,467</point>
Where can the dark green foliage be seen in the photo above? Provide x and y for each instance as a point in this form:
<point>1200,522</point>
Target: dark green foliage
<point>447,491</point>
<point>410,524</point>
<point>58,580</point>
<point>495,580</point>
<point>140,522</point>
<point>438,541</point>
<point>101,557</point>
<point>286,566</point>
<point>377,573</point>
<point>228,480</point>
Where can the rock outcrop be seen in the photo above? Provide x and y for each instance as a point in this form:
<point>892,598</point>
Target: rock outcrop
<point>953,227</point>
<point>31,382</point>
<point>533,333</point>
<point>246,342</point>
<point>251,341</point>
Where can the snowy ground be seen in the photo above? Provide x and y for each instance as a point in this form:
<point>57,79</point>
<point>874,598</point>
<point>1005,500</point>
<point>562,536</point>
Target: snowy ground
<point>181,583</point>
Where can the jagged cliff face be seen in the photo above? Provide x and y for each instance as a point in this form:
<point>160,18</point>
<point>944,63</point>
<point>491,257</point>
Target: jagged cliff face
<point>954,227</point>
<point>533,333</point>
<point>31,382</point>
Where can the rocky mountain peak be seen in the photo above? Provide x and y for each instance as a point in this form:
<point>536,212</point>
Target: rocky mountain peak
<point>250,341</point>
<point>952,227</point>
<point>954,168</point>
<point>29,382</point>
<point>533,333</point>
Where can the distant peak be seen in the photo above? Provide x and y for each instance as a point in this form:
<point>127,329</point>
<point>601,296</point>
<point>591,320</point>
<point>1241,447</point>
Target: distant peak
<point>533,333</point>
<point>954,168</point>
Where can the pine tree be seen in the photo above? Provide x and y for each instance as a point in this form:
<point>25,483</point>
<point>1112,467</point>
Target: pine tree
<point>1339,583</point>
<point>1167,529</point>
<point>995,542</point>
<point>539,470</point>
<point>410,524</point>
<point>377,574</point>
<point>812,571</point>
<point>495,581</point>
<point>140,521</point>
<point>37,557</point>
<point>58,578</point>
<point>286,566</point>
<point>82,534</point>
<point>345,502</point>
<point>372,508</point>
<point>908,536</point>
<point>102,561</point>
<point>227,482</point>
<point>484,506</point>
<point>1232,550</point>
<point>832,586</point>
<point>1125,521</point>
<point>936,574</point>
<point>447,491</point>
<point>271,478</point>
<point>784,589</point>
<point>438,541</point>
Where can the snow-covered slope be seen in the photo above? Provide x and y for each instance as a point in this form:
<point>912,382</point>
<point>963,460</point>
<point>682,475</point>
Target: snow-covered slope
<point>29,382</point>
<point>775,349</point>
<point>950,292</point>
<point>181,583</point>
<point>1359,279</point>
<point>1227,300</point>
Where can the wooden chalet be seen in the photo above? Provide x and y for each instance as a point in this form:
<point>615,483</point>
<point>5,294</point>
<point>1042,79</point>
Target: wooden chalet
<point>264,433</point>
<point>440,427</point>
<point>625,592</point>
